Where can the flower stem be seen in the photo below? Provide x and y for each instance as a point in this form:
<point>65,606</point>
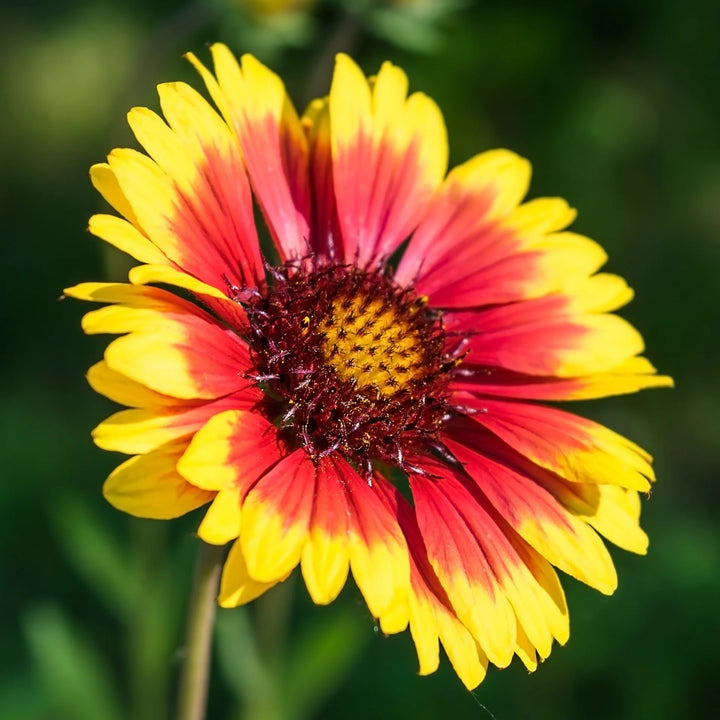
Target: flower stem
<point>201,615</point>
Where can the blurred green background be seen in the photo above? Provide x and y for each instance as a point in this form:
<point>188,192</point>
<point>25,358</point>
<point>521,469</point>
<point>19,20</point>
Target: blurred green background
<point>616,103</point>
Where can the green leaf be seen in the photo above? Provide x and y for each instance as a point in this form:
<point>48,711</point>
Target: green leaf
<point>20,698</point>
<point>238,658</point>
<point>71,672</point>
<point>320,659</point>
<point>95,555</point>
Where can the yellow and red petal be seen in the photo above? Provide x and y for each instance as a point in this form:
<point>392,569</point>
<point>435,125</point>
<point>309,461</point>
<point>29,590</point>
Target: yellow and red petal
<point>462,225</point>
<point>228,454</point>
<point>511,486</point>
<point>208,229</point>
<point>430,616</point>
<point>328,518</point>
<point>204,227</point>
<point>189,360</point>
<point>276,518</point>
<point>463,568</point>
<point>353,526</point>
<point>233,449</point>
<point>215,300</point>
<point>613,511</point>
<point>326,555</point>
<point>378,550</point>
<point>573,447</point>
<point>149,485</point>
<point>513,269</point>
<point>633,375</point>
<point>141,430</point>
<point>274,148</point>
<point>389,154</point>
<point>433,623</point>
<point>533,605</point>
<point>325,232</point>
<point>546,336</point>
<point>476,247</point>
<point>173,347</point>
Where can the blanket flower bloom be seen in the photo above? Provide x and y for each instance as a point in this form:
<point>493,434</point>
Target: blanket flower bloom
<point>362,395</point>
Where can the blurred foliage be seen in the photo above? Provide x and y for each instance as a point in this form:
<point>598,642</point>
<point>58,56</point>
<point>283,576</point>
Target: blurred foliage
<point>615,103</point>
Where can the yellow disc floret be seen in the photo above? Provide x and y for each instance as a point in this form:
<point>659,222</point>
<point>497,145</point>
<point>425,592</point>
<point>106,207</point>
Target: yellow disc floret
<point>368,344</point>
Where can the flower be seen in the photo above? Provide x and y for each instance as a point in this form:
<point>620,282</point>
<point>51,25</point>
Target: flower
<point>362,395</point>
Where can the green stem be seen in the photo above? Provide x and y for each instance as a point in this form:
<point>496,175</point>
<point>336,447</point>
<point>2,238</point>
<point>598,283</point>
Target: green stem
<point>201,615</point>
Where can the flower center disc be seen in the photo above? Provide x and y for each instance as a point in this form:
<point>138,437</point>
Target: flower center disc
<point>373,344</point>
<point>350,362</point>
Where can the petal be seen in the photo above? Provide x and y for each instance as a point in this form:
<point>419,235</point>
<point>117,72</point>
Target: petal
<point>149,486</point>
<point>546,337</point>
<point>105,182</point>
<point>116,293</point>
<point>276,518</point>
<point>633,375</point>
<point>613,511</point>
<point>389,155</point>
<point>600,293</point>
<point>573,447</point>
<point>352,524</point>
<point>218,302</point>
<point>519,574</point>
<point>126,238</point>
<point>187,360</point>
<point>460,562</point>
<point>542,216</point>
<point>506,268</point>
<point>378,551</point>
<point>236,585</point>
<point>475,247</point>
<point>325,234</point>
<point>430,615</point>
<point>616,516</point>
<point>147,274</point>
<point>208,229</point>
<point>141,430</point>
<point>221,523</point>
<point>463,222</point>
<point>121,389</point>
<point>468,660</point>
<point>544,523</point>
<point>326,555</point>
<point>255,104</point>
<point>233,449</point>
<point>525,650</point>
<point>173,347</point>
<point>549,593</point>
